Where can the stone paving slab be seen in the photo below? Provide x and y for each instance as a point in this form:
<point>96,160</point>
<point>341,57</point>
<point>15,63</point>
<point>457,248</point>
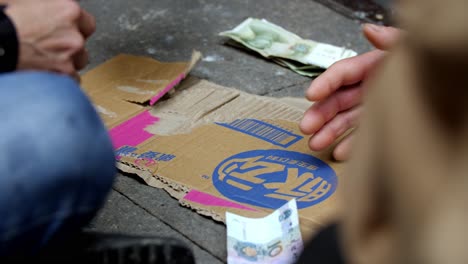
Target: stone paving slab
<point>122,215</point>
<point>201,230</point>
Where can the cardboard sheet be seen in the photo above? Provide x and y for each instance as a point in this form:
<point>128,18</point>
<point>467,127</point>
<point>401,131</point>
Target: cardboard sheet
<point>213,148</point>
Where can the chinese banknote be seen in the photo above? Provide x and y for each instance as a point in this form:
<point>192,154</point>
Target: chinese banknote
<point>275,238</point>
<point>305,57</point>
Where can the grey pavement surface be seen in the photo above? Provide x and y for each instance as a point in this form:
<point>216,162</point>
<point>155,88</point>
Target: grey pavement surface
<point>168,30</point>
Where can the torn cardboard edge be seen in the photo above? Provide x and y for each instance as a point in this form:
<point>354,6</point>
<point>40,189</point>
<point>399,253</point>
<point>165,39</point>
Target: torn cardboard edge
<point>208,144</point>
<point>122,85</point>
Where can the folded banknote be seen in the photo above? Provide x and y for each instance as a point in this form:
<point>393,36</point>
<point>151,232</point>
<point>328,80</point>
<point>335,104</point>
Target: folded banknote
<point>303,56</point>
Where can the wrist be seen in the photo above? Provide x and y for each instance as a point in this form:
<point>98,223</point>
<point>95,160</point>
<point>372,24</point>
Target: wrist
<point>9,48</point>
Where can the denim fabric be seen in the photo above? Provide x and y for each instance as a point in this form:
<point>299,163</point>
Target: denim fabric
<point>56,160</point>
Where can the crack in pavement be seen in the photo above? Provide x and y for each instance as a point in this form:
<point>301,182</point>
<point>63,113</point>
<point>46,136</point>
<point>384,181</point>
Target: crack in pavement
<point>282,88</point>
<point>169,225</point>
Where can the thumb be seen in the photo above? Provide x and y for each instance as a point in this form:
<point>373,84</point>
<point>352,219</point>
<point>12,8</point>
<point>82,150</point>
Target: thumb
<point>381,37</point>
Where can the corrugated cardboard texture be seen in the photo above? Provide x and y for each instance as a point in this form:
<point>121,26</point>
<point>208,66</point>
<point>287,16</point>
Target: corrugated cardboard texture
<point>116,85</point>
<point>217,149</point>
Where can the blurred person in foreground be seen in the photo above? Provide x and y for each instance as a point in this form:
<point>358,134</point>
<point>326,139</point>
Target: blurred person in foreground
<point>405,196</point>
<point>57,162</point>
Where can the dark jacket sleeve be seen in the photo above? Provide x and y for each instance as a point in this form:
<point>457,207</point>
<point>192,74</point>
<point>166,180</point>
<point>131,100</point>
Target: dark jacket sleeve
<point>324,248</point>
<point>8,43</point>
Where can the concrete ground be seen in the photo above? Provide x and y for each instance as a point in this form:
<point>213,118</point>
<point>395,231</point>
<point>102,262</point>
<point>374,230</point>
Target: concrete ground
<point>168,30</point>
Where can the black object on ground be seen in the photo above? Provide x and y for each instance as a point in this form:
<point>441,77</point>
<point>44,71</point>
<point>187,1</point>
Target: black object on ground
<point>369,11</point>
<point>103,248</point>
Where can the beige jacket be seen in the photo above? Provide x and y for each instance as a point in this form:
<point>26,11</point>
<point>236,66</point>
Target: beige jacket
<point>406,190</point>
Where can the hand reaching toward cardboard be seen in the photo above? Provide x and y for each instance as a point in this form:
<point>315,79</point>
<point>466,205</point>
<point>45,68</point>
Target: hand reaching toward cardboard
<point>51,34</point>
<point>338,94</point>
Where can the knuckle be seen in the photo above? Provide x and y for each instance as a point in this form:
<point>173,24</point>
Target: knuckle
<point>342,64</point>
<point>347,123</point>
<point>77,41</point>
<point>334,129</point>
<point>71,9</point>
<point>330,84</point>
<point>349,67</point>
<point>339,64</point>
<point>335,65</point>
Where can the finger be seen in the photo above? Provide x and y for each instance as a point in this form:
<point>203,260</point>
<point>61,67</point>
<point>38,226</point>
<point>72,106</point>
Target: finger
<point>62,64</point>
<point>322,112</point>
<point>381,37</point>
<point>342,151</point>
<point>345,72</point>
<point>66,39</point>
<point>86,24</point>
<point>334,129</point>
<point>80,59</point>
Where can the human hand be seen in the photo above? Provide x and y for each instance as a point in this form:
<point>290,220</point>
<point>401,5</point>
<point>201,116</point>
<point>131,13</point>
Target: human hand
<point>51,35</point>
<point>338,92</point>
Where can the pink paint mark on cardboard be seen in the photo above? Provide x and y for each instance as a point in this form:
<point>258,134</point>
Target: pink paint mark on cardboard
<point>175,82</point>
<point>132,132</point>
<point>210,200</point>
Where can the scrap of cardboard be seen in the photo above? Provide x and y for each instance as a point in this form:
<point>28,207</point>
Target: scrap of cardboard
<point>215,149</point>
<point>121,85</point>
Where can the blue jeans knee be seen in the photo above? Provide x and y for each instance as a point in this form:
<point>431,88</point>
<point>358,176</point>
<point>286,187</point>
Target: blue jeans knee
<point>57,162</point>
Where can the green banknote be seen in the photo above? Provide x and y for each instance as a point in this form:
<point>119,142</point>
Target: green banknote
<point>302,69</point>
<point>303,56</point>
